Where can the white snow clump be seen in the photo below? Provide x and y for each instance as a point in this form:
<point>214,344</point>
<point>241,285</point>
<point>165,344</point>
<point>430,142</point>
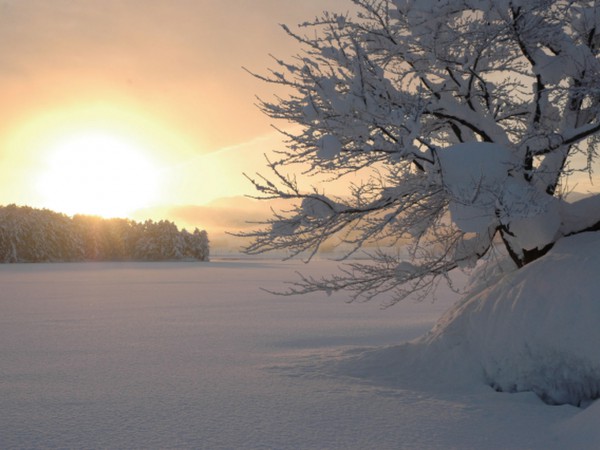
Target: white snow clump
<point>487,187</point>
<point>329,146</point>
<point>319,207</point>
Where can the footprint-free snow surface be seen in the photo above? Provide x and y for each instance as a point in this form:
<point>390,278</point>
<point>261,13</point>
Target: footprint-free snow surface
<point>196,355</point>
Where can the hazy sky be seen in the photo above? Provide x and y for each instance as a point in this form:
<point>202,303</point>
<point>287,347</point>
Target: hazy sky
<point>178,60</point>
<point>165,75</point>
<point>160,81</point>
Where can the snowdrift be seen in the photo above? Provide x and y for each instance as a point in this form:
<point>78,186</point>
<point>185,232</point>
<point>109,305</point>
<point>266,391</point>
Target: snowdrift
<point>536,329</point>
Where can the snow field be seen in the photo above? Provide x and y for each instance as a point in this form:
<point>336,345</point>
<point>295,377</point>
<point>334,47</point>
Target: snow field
<point>195,355</point>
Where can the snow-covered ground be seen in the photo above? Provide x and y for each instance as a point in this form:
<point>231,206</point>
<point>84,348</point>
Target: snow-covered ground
<point>195,355</point>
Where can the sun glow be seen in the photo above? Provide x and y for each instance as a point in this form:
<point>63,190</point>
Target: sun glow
<point>98,173</point>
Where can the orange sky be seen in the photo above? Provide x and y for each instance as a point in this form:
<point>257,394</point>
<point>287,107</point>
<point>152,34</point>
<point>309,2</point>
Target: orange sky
<point>164,76</point>
<point>161,79</point>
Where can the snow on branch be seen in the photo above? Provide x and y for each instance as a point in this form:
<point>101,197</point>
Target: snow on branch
<point>461,118</point>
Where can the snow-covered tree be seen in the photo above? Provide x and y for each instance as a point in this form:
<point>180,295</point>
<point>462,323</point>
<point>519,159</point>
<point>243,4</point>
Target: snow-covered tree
<point>464,119</point>
<point>195,245</point>
<point>36,235</point>
<point>39,235</point>
<point>159,241</point>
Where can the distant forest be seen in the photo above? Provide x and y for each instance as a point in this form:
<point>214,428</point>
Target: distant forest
<point>40,235</point>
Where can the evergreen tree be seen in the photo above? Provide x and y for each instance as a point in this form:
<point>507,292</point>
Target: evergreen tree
<point>41,235</point>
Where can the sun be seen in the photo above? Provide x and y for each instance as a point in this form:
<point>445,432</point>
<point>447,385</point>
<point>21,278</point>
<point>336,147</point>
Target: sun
<point>97,173</point>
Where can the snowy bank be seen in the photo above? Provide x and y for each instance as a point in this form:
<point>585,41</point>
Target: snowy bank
<point>536,329</point>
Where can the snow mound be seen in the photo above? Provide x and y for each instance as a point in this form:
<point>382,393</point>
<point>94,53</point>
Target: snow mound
<point>536,329</point>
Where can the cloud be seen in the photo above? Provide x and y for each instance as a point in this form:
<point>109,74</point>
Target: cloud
<point>219,218</point>
<point>226,214</point>
<point>229,214</point>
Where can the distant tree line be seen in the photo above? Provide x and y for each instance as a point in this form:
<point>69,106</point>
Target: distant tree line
<point>40,235</point>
